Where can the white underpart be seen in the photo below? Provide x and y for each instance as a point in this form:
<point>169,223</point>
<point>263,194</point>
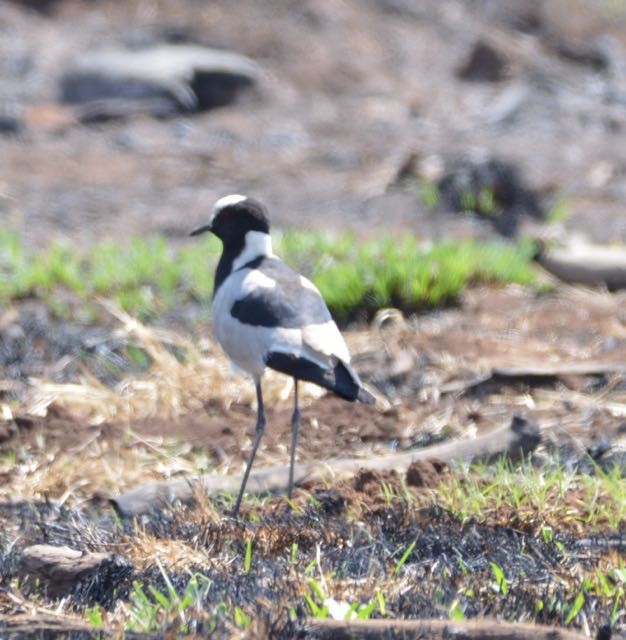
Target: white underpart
<point>248,345</point>
<point>257,243</point>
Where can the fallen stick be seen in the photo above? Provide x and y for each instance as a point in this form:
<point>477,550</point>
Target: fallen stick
<point>535,372</point>
<point>322,629</point>
<point>58,569</point>
<point>586,264</point>
<point>29,625</point>
<point>519,437</point>
<point>556,369</point>
<point>41,624</point>
<point>481,629</point>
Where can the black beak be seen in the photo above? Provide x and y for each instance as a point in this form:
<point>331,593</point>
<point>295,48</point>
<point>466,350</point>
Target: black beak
<point>202,229</point>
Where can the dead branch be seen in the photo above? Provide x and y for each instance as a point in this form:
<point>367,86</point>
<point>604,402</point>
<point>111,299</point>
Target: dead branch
<point>58,569</point>
<point>519,437</point>
<point>587,264</point>
<point>481,629</point>
<point>557,369</point>
<point>31,624</point>
<point>535,373</point>
<point>41,624</point>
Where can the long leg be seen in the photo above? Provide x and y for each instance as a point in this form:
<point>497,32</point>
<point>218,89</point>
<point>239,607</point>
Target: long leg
<point>295,426</point>
<point>260,427</point>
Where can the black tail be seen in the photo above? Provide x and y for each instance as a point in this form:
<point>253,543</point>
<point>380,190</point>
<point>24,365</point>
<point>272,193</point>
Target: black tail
<point>342,380</point>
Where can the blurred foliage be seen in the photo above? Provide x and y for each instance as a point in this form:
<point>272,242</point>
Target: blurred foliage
<point>560,211</point>
<point>147,276</point>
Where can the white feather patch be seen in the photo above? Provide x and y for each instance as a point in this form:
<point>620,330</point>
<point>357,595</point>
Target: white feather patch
<point>325,339</point>
<point>226,201</point>
<point>305,282</point>
<point>257,244</point>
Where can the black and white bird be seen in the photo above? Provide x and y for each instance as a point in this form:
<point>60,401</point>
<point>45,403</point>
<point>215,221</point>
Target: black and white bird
<point>267,315</point>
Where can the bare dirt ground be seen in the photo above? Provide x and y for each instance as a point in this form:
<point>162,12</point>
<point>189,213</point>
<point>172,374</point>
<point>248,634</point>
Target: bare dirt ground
<point>410,363</point>
<point>348,89</point>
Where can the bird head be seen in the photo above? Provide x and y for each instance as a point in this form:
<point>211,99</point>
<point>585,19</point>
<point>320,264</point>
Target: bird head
<point>233,217</point>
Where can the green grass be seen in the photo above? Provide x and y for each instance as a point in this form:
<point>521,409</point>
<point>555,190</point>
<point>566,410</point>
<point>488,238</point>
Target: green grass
<point>151,610</point>
<point>524,493</point>
<point>560,211</point>
<point>147,276</point>
<point>357,279</point>
<point>405,556</point>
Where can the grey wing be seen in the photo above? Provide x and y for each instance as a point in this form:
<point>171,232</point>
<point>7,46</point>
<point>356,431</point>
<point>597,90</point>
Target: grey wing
<point>292,302</point>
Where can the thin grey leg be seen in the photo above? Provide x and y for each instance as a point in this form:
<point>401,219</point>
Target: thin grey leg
<point>295,426</point>
<point>260,428</point>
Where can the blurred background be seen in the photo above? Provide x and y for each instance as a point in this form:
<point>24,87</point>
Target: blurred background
<point>407,151</point>
<point>119,118</point>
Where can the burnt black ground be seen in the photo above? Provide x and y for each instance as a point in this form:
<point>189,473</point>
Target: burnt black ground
<point>450,560</point>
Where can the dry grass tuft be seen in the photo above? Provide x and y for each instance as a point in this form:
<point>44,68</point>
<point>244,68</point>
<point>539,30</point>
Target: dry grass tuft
<point>146,550</point>
<point>171,386</point>
<point>103,468</point>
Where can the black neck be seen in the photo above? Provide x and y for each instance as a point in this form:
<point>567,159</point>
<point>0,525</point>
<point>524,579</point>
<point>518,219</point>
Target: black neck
<point>224,268</point>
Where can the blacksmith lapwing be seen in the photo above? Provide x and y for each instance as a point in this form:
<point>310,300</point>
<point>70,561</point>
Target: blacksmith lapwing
<point>265,314</point>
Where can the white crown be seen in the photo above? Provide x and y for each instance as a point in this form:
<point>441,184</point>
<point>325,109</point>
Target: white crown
<point>227,201</point>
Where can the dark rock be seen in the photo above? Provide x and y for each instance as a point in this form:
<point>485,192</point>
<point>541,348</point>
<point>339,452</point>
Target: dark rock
<point>10,123</point>
<point>485,64</point>
<point>45,7</point>
<point>161,80</point>
<point>491,188</point>
<point>616,460</point>
<point>599,448</point>
<point>331,501</point>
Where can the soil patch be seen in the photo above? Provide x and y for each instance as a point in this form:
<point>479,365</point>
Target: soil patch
<point>392,66</point>
<point>493,328</point>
